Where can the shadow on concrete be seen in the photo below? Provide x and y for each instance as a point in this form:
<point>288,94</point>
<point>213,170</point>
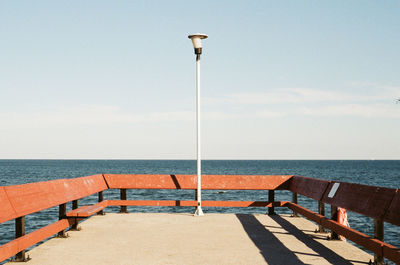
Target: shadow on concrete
<point>322,251</point>
<point>273,251</point>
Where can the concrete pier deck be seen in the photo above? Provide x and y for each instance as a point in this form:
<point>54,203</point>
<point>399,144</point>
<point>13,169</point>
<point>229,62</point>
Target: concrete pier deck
<point>170,238</point>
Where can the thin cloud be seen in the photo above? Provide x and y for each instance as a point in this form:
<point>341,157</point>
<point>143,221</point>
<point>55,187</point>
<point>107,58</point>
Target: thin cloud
<point>355,110</point>
<point>100,115</point>
<point>378,102</point>
<point>304,95</point>
<point>270,114</point>
<point>89,115</point>
<point>339,110</point>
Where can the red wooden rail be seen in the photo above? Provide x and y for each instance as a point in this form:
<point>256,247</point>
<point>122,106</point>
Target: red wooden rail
<point>189,182</point>
<point>382,204</point>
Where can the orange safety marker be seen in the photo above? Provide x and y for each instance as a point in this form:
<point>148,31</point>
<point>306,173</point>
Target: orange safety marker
<point>342,219</point>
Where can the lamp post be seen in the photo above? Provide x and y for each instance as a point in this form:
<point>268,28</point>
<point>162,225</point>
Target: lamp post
<point>196,39</point>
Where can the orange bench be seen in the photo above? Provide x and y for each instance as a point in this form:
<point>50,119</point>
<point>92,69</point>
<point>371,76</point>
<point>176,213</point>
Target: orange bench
<point>20,200</point>
<point>382,204</point>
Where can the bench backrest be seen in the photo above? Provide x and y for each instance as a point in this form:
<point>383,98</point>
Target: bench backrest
<point>376,202</point>
<point>393,213</point>
<point>208,182</point>
<point>20,200</point>
<point>7,212</point>
<point>309,187</point>
<point>366,200</point>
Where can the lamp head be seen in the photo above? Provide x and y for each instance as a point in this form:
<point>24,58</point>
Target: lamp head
<point>196,40</point>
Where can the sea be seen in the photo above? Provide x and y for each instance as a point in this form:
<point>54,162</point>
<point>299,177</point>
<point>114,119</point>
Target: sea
<point>383,173</point>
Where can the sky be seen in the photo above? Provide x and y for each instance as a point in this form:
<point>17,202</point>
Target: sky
<point>279,79</point>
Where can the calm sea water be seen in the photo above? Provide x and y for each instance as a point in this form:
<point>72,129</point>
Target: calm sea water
<point>376,173</point>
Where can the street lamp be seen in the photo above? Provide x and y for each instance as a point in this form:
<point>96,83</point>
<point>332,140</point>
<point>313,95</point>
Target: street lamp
<point>196,39</point>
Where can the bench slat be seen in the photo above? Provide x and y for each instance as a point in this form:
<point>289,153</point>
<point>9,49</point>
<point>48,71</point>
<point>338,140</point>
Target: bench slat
<point>393,213</point>
<point>7,212</point>
<point>366,200</point>
<point>13,247</point>
<point>309,187</point>
<point>362,239</point>
<point>84,186</point>
<point>194,203</point>
<point>33,197</point>
<point>391,252</point>
<point>209,182</point>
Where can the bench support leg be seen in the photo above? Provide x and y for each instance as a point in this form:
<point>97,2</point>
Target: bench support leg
<point>100,200</point>
<point>321,211</point>
<point>271,198</point>
<point>294,200</point>
<point>20,231</point>
<point>378,234</point>
<point>75,205</point>
<point>334,216</point>
<point>62,211</point>
<point>123,197</point>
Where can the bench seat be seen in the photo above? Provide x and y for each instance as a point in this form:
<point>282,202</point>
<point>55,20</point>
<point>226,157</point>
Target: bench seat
<point>87,210</point>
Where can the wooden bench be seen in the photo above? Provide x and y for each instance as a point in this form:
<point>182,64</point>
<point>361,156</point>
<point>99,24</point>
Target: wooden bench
<point>20,200</point>
<point>382,204</point>
<point>268,183</point>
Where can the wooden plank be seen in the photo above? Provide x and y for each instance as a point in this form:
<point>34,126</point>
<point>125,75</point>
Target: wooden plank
<point>115,181</point>
<point>78,188</point>
<point>150,203</point>
<point>194,203</point>
<point>245,182</point>
<point>357,237</point>
<point>351,234</point>
<point>13,247</point>
<point>7,212</point>
<point>366,200</point>
<point>93,184</point>
<point>391,252</point>
<point>33,197</point>
<point>393,213</point>
<point>305,212</point>
<point>309,187</point>
<point>211,182</point>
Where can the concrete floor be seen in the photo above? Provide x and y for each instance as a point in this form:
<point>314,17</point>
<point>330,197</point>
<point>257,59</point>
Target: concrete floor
<point>162,238</point>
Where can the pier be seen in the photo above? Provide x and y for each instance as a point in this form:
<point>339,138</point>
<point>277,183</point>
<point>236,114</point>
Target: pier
<point>161,238</point>
<point>157,238</point>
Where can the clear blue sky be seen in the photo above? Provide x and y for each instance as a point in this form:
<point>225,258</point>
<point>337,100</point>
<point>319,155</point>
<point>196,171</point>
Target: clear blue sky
<point>280,79</point>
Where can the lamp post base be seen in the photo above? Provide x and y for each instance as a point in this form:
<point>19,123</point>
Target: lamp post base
<point>199,211</point>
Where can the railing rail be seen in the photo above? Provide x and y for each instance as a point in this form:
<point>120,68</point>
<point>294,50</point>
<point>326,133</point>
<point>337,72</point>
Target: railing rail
<point>382,204</point>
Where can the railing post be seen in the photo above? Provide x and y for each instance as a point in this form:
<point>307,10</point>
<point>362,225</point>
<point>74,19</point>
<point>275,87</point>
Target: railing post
<point>378,234</point>
<point>294,200</point>
<point>271,199</point>
<point>100,200</point>
<point>334,216</point>
<point>123,197</point>
<point>321,211</point>
<point>62,212</point>
<point>20,231</point>
<point>75,205</point>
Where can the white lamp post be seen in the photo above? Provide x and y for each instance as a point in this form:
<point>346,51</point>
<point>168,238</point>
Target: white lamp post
<point>196,39</point>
